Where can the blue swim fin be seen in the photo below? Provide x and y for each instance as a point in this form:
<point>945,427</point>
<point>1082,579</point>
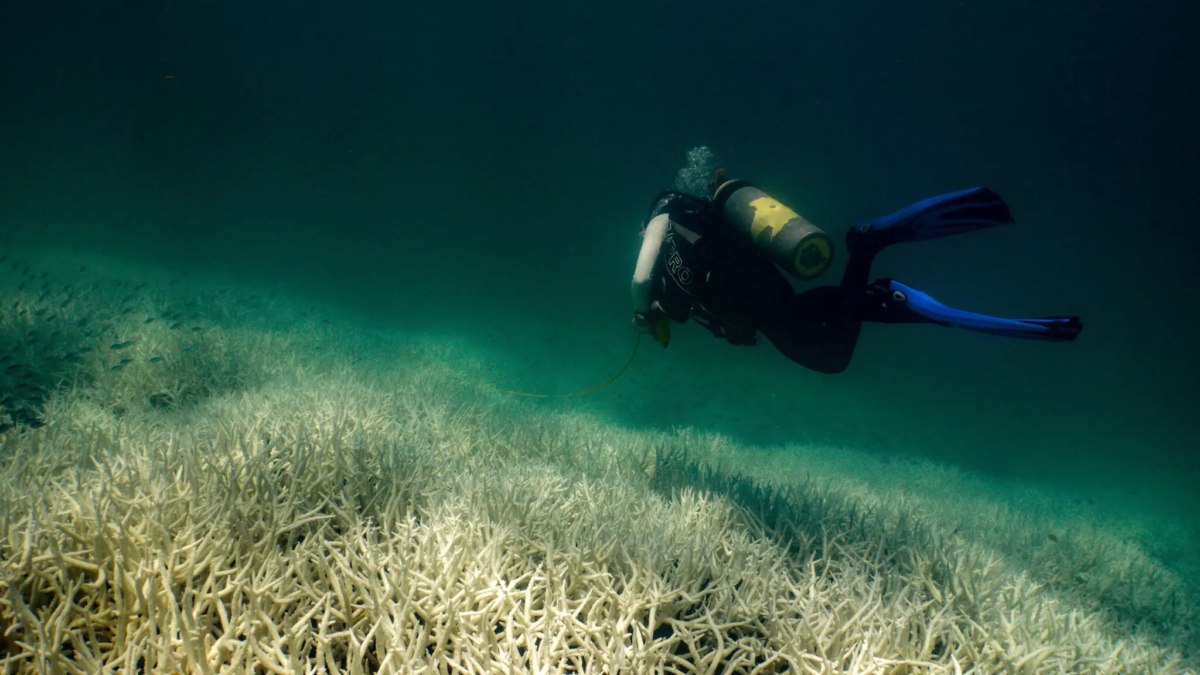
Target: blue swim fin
<point>941,216</point>
<point>1056,329</point>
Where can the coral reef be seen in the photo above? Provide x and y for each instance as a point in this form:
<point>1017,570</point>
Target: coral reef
<point>360,503</point>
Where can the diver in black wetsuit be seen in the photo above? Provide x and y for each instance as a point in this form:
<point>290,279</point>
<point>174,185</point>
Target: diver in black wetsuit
<point>718,261</point>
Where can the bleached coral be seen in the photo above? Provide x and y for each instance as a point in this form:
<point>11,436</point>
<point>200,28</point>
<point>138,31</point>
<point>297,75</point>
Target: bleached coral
<point>371,510</point>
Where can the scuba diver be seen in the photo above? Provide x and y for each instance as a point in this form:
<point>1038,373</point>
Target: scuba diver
<point>715,260</point>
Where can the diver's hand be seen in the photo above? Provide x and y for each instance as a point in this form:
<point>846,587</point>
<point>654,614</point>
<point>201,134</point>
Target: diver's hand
<point>654,323</point>
<point>643,322</point>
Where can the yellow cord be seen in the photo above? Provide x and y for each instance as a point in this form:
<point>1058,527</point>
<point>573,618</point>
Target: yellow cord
<point>581,393</point>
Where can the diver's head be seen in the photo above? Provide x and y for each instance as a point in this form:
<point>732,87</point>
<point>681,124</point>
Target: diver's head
<point>717,180</point>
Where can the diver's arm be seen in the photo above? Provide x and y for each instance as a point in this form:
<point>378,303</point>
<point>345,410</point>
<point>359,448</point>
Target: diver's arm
<point>652,241</point>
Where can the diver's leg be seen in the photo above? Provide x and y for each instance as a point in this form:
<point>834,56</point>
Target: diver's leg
<point>941,216</point>
<point>858,267</point>
<point>889,301</point>
<point>818,328</point>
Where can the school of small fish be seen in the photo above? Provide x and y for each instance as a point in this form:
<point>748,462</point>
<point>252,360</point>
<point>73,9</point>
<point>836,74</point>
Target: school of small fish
<point>55,335</point>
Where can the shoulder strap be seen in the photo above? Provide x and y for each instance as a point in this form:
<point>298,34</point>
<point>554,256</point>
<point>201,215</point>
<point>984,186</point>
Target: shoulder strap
<point>690,204</point>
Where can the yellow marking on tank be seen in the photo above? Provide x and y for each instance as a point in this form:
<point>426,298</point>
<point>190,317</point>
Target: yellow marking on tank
<point>769,214</point>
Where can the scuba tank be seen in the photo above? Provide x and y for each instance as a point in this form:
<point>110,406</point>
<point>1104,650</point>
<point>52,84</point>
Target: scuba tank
<point>785,236</point>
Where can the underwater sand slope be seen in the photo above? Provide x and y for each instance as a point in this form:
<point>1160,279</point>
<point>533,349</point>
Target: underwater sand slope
<point>293,496</point>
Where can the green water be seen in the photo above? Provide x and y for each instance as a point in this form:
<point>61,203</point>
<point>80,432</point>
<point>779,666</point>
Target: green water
<point>479,173</point>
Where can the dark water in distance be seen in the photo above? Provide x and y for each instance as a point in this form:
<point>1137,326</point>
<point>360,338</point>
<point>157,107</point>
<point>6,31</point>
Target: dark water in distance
<point>483,167</point>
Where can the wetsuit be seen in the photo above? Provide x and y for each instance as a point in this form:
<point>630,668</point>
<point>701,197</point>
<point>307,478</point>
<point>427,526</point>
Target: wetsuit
<point>693,264</point>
